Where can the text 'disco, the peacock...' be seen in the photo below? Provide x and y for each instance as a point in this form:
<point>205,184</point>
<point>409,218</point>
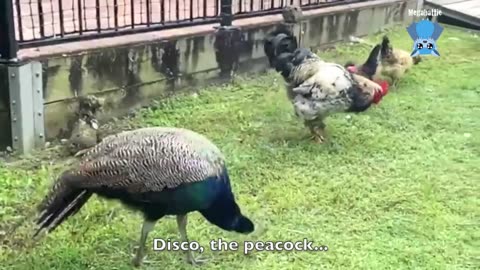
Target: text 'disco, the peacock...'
<point>246,246</point>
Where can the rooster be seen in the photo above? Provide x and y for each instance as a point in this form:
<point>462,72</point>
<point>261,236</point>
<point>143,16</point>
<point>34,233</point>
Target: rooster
<point>318,89</point>
<point>394,62</point>
<point>369,68</point>
<point>384,62</point>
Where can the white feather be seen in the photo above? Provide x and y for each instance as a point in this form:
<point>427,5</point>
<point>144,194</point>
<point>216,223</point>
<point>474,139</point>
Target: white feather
<point>331,77</point>
<point>327,87</point>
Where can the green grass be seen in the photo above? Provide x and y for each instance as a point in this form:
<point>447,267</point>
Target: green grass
<point>397,187</point>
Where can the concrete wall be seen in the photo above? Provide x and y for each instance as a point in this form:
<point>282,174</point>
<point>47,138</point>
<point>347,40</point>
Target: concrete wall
<point>131,75</point>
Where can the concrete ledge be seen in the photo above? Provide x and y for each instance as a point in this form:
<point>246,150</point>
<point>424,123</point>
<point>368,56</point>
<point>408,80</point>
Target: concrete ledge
<point>129,71</point>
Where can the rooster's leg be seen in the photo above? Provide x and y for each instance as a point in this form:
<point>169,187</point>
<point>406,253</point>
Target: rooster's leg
<point>317,128</point>
<point>319,134</point>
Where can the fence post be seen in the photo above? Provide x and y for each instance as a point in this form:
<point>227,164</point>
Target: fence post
<point>26,106</point>
<point>228,40</point>
<point>23,87</point>
<point>226,16</point>
<point>8,43</point>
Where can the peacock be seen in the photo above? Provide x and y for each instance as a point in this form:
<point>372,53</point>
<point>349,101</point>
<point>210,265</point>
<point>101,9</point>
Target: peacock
<point>158,171</point>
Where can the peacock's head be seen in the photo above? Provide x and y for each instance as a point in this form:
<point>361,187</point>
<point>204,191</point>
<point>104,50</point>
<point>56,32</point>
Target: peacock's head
<point>243,224</point>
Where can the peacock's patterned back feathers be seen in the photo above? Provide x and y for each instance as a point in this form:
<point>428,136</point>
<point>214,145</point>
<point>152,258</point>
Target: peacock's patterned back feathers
<point>149,159</point>
<point>159,171</point>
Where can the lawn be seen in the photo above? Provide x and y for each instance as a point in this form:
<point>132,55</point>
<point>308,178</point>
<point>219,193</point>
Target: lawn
<point>396,187</point>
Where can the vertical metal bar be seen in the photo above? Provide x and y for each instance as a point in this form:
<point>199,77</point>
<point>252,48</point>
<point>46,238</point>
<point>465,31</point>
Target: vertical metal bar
<point>41,20</point>
<point>8,42</point>
<point>19,18</point>
<point>148,12</point>
<point>261,4</point>
<point>162,11</point>
<point>30,7</point>
<point>132,11</point>
<point>53,18</point>
<point>251,5</point>
<point>97,15</point>
<point>226,13</point>
<point>73,17</point>
<point>85,15</point>
<point>80,24</point>
<point>240,6</point>
<point>62,21</point>
<point>177,10</point>
<point>141,11</point>
<point>115,14</point>
<point>191,10</point>
<point>204,8</point>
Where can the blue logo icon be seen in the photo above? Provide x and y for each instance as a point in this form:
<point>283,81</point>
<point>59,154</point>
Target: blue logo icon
<point>425,35</point>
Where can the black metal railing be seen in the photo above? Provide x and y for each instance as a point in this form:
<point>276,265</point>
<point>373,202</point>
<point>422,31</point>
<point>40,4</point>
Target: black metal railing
<point>252,8</point>
<point>41,22</point>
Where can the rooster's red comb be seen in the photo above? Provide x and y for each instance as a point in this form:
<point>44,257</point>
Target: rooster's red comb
<point>384,85</point>
<point>352,69</point>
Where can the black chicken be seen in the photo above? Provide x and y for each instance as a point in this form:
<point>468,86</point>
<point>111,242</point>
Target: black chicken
<point>369,68</point>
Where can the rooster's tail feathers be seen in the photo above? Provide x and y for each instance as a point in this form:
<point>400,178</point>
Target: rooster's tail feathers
<point>373,60</point>
<point>279,41</point>
<point>386,47</point>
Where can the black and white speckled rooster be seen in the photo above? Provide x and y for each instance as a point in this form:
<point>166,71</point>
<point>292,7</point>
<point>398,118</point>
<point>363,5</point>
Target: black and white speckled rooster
<point>318,89</point>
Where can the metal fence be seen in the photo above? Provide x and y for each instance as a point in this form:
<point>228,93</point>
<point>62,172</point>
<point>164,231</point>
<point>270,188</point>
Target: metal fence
<point>247,8</point>
<point>61,19</point>
<point>40,22</point>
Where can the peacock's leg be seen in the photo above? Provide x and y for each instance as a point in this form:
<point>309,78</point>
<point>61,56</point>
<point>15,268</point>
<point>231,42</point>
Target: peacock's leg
<point>182,228</point>
<point>317,128</point>
<point>147,227</point>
